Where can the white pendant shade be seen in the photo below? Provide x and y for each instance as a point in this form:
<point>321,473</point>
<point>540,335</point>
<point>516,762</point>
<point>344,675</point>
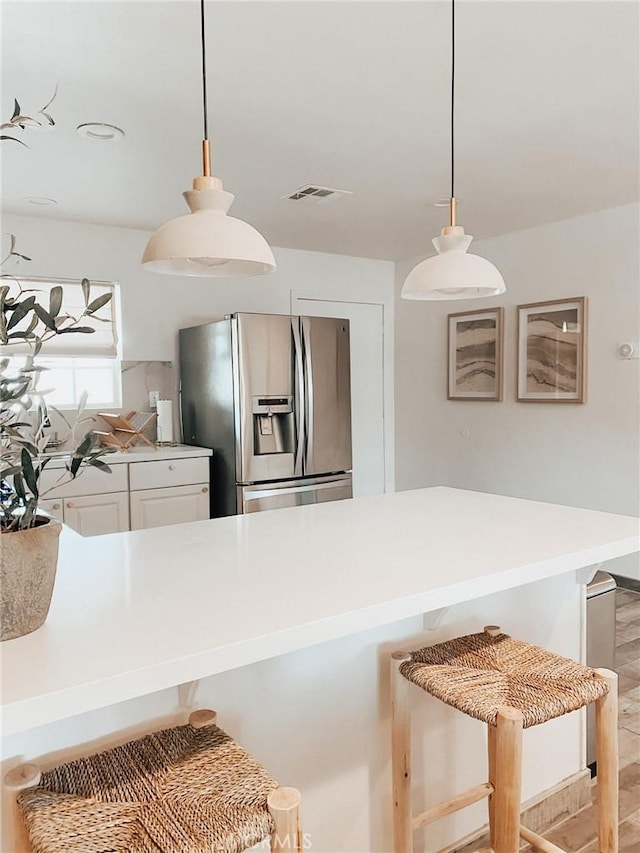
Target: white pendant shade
<point>452,273</point>
<point>208,242</point>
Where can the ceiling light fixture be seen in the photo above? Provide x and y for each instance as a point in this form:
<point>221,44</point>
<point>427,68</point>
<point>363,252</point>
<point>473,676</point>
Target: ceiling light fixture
<point>98,131</point>
<point>453,273</point>
<point>208,242</point>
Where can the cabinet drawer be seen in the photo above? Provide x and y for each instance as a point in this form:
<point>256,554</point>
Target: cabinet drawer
<point>90,481</point>
<point>160,507</point>
<point>168,472</point>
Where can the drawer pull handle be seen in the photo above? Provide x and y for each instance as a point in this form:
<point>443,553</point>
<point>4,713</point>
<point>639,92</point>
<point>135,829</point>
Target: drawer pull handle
<point>205,489</point>
<point>55,506</point>
<point>172,467</point>
<point>70,504</point>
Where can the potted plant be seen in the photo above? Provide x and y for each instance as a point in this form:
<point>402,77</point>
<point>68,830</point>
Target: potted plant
<point>29,537</point>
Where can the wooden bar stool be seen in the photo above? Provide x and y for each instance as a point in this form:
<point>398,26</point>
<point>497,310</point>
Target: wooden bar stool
<point>510,685</point>
<point>189,789</point>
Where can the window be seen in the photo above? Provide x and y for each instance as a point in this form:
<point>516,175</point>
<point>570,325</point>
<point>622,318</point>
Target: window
<point>76,363</point>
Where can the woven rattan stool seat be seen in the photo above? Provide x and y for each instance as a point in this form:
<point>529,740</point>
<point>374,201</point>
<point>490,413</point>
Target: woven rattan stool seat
<point>479,673</point>
<point>182,790</point>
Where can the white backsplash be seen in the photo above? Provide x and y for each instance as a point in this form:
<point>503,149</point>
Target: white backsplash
<point>138,379</point>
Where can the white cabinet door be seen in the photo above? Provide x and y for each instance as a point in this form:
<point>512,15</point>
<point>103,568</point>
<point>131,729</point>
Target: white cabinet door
<point>157,507</point>
<point>93,515</point>
<point>54,506</point>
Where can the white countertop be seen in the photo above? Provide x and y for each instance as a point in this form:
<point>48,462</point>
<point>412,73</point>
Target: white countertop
<point>140,453</point>
<point>138,612</point>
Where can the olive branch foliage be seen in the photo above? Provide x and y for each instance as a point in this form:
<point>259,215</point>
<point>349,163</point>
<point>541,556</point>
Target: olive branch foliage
<point>24,416</point>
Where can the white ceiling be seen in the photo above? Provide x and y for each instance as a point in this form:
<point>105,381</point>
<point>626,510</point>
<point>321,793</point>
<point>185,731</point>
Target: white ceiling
<point>351,95</point>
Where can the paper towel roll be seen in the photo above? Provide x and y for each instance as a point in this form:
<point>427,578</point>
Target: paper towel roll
<point>165,421</point>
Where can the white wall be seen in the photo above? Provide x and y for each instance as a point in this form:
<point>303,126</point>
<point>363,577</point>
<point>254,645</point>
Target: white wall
<point>155,306</point>
<point>582,455</point>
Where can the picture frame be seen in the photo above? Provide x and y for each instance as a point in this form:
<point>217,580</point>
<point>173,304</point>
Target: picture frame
<point>476,355</point>
<point>552,351</point>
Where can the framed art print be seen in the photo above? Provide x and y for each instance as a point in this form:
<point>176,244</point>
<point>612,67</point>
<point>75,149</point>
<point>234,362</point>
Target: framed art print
<point>552,351</point>
<point>476,345</point>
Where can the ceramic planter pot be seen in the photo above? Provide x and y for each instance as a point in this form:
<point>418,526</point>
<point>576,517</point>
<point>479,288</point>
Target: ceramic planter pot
<point>28,561</point>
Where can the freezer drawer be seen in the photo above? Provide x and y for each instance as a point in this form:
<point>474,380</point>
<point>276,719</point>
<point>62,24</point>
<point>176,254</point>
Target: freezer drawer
<point>293,493</point>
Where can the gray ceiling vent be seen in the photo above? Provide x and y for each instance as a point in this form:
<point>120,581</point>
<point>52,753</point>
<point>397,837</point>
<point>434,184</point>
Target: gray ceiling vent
<point>313,194</point>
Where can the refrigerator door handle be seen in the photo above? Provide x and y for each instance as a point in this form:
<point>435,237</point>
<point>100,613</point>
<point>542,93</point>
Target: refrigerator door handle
<point>300,402</point>
<point>305,323</point>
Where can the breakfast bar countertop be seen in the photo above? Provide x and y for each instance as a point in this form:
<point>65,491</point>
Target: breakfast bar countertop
<point>137,612</point>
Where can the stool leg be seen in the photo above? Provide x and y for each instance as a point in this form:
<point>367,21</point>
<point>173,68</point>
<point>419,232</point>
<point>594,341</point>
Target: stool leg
<point>19,779</point>
<point>491,801</point>
<point>401,756</point>
<point>607,763</point>
<point>284,807</point>
<point>508,781</point>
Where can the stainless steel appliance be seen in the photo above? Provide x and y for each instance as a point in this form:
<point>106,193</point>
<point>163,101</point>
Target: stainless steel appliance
<point>271,394</point>
<point>601,642</point>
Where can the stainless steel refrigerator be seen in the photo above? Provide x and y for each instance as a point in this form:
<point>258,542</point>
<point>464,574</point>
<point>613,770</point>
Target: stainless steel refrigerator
<point>271,394</point>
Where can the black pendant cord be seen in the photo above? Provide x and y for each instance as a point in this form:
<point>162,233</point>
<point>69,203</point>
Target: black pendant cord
<point>204,71</point>
<point>453,83</point>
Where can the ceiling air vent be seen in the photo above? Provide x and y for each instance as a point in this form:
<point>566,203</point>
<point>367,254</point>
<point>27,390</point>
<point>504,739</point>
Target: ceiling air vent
<point>313,194</point>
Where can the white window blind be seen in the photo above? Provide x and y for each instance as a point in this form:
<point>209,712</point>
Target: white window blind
<point>103,341</point>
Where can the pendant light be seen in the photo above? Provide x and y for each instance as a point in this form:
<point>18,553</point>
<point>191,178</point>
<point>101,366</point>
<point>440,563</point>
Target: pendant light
<point>453,273</point>
<point>208,242</point>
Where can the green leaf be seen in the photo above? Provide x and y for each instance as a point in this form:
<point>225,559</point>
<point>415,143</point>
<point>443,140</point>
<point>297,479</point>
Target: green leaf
<point>16,109</point>
<point>28,472</point>
<point>82,404</point>
<point>13,469</point>
<point>13,139</point>
<point>98,302</point>
<point>86,290</point>
<point>28,518</point>
<point>21,311</point>
<point>32,324</point>
<point>55,301</point>
<point>84,330</point>
<point>18,485</point>
<point>98,463</point>
<point>50,101</point>
<point>19,336</point>
<point>46,318</point>
<point>80,452</point>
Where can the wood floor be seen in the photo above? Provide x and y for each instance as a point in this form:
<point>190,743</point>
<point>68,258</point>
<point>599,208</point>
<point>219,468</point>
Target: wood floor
<point>578,834</point>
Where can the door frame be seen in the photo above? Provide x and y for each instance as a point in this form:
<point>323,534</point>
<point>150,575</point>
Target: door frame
<point>388,431</point>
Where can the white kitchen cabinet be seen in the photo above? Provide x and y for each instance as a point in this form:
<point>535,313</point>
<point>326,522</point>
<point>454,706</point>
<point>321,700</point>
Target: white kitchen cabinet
<point>93,515</point>
<point>159,507</point>
<point>145,488</point>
